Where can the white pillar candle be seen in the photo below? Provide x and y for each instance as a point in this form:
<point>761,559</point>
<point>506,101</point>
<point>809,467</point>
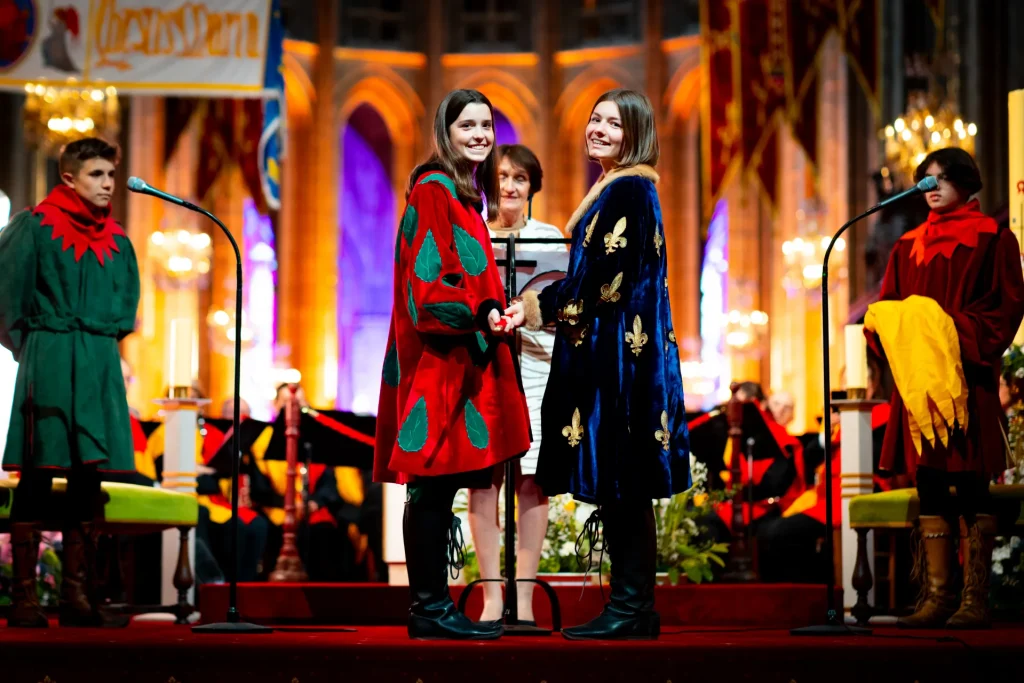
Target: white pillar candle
<point>856,358</point>
<point>181,352</point>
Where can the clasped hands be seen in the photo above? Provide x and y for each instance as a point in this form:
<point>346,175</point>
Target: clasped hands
<point>507,323</point>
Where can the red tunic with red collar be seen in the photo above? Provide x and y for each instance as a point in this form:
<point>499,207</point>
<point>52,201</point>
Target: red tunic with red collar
<point>450,399</point>
<point>972,268</point>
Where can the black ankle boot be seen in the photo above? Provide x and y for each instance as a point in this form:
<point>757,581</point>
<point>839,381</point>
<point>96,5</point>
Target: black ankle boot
<point>432,543</point>
<point>630,538</point>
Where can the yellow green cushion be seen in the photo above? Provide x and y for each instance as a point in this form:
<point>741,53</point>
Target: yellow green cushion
<point>900,508</point>
<point>129,508</point>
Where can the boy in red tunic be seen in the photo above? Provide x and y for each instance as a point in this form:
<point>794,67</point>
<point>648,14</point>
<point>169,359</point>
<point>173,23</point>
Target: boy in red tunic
<point>451,406</point>
<point>963,261</point>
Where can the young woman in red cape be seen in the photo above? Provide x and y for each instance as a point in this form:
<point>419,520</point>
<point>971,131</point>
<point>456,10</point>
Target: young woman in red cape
<point>451,406</point>
<point>971,267</point>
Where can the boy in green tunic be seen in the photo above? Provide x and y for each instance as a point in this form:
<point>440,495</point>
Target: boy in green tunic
<point>69,292</point>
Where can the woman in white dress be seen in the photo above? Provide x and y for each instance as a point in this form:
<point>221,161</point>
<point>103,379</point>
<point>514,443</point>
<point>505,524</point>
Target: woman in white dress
<point>519,176</point>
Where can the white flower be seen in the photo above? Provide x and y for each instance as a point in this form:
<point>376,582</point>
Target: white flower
<point>568,549</point>
<point>997,568</point>
<point>1020,373</point>
<point>1001,553</point>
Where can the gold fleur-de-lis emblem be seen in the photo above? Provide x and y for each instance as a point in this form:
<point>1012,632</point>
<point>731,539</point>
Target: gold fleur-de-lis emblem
<point>610,293</point>
<point>637,338</point>
<point>571,312</point>
<point>658,241</point>
<point>662,434</point>
<point>672,336</point>
<point>578,336</point>
<point>574,431</point>
<point>614,239</point>
<point>590,229</point>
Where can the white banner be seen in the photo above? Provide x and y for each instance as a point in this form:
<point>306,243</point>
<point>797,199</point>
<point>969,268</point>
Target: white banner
<point>210,47</point>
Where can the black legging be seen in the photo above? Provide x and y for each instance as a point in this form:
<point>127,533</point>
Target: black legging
<point>972,494</point>
<point>33,501</point>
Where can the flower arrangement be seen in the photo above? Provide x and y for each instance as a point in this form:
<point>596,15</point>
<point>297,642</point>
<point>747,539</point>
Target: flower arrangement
<point>685,545</point>
<point>48,571</point>
<point>1013,373</point>
<point>684,541</point>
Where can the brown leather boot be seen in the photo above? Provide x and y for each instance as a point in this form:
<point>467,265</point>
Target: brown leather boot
<point>939,602</point>
<point>25,611</point>
<point>78,589</point>
<point>974,612</point>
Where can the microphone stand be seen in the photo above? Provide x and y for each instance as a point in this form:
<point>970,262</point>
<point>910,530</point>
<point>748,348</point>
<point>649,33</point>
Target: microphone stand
<point>834,624</point>
<point>234,623</point>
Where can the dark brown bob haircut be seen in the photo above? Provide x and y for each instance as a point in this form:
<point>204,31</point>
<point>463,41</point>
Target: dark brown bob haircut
<point>957,165</point>
<point>639,136</point>
<point>470,187</point>
<point>75,154</point>
<point>522,157</point>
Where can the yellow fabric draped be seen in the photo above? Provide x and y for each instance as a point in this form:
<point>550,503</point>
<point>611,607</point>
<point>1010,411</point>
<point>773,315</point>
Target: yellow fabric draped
<point>921,343</point>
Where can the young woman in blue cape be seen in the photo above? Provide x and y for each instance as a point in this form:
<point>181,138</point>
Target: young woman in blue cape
<point>613,423</point>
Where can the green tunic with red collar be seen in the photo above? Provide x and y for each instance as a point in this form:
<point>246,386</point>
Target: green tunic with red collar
<point>69,291</point>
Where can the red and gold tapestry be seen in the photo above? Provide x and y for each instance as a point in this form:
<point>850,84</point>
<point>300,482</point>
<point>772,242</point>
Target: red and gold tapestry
<point>720,102</point>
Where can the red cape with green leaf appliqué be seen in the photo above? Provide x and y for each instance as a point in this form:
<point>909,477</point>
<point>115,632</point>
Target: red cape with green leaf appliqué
<point>81,227</point>
<point>450,399</point>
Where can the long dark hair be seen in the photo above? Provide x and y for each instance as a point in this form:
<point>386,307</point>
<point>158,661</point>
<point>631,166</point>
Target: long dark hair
<point>468,185</point>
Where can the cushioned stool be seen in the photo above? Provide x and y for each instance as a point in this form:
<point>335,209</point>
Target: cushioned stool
<point>129,509</point>
<point>899,509</point>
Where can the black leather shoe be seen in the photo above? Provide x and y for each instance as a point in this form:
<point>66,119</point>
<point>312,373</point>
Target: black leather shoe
<point>429,534</point>
<point>630,540</point>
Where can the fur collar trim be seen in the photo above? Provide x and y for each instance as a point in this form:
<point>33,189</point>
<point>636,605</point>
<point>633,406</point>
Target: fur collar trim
<point>606,179</point>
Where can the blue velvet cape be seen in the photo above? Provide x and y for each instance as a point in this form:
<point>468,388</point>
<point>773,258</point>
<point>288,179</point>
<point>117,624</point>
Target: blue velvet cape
<point>613,422</point>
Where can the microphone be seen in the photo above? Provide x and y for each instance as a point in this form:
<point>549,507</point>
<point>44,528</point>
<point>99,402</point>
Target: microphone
<point>927,184</point>
<point>139,185</point>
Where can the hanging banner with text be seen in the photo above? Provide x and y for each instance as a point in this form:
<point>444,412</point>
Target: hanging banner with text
<point>213,48</point>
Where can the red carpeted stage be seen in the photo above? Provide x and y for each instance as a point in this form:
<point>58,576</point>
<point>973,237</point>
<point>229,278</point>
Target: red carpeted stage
<point>757,648</point>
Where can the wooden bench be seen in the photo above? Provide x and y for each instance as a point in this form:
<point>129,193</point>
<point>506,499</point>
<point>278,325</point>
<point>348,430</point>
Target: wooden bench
<point>129,509</point>
<point>899,509</point>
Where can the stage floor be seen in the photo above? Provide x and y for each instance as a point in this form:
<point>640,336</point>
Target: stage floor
<point>162,653</point>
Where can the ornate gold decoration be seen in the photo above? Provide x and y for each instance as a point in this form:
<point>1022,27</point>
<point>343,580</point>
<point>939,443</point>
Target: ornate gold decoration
<point>574,432</point>
<point>662,434</point>
<point>610,293</point>
<point>571,312</point>
<point>658,241</point>
<point>614,239</point>
<point>183,257</point>
<point>590,229</point>
<point>577,334</point>
<point>637,338</point>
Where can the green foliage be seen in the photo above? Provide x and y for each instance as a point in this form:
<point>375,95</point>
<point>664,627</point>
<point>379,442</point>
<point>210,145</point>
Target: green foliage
<point>685,546</point>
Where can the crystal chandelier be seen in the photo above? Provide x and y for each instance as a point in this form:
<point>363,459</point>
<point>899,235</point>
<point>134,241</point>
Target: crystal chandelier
<point>221,322</point>
<point>923,129</point>
<point>53,116</point>
<point>744,329</point>
<point>932,120</point>
<point>803,255</point>
<point>183,257</point>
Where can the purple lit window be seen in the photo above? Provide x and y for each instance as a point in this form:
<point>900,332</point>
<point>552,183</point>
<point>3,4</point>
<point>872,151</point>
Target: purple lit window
<point>366,259</point>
